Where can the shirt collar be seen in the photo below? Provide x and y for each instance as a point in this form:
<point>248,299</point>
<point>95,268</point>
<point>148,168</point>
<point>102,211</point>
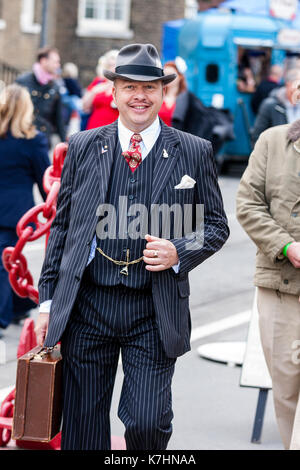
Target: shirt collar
<point>148,135</point>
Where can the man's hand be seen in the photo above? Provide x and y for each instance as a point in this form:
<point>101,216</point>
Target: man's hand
<point>41,328</point>
<point>160,254</point>
<point>293,254</point>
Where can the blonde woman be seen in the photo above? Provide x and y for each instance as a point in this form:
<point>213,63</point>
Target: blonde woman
<point>23,161</point>
<point>98,100</point>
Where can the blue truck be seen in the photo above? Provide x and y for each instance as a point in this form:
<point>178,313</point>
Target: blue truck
<point>212,44</point>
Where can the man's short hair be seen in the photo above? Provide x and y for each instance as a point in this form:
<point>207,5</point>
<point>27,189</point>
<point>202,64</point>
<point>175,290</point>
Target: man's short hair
<point>45,51</point>
<point>292,75</point>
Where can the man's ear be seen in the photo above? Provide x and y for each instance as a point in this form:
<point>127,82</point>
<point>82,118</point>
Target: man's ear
<point>114,92</point>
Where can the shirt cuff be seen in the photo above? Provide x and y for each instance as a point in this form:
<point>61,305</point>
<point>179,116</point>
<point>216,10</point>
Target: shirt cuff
<point>92,250</point>
<point>176,267</point>
<point>45,306</point>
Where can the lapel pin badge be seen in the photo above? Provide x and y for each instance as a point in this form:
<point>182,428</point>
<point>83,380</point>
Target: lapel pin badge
<point>105,149</point>
<point>165,154</point>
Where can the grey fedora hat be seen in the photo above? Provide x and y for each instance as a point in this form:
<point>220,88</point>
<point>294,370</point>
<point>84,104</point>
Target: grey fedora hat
<point>141,63</point>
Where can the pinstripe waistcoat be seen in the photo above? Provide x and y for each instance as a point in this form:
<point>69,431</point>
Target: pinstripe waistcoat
<point>127,193</point>
<point>84,185</point>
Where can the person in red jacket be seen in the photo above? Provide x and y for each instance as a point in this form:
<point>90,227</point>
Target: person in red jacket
<point>173,89</point>
<point>98,99</point>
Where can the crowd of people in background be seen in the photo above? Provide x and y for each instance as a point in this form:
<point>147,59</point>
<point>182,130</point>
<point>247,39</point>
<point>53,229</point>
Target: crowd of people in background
<point>281,106</point>
<point>59,98</point>
<point>273,89</point>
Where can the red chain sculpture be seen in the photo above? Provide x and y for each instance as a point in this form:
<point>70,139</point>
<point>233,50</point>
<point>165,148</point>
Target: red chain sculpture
<point>22,282</point>
<point>12,258</point>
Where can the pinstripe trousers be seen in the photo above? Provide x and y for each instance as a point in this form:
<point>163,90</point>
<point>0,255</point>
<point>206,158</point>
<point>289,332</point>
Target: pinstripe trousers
<point>103,322</point>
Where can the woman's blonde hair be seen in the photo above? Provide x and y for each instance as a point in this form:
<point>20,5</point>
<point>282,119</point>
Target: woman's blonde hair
<point>70,70</point>
<point>16,112</point>
<point>107,61</point>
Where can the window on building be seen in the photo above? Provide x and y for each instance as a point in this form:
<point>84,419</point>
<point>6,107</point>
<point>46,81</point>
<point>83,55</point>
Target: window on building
<point>191,8</point>
<point>27,19</point>
<point>104,18</point>
<point>2,22</point>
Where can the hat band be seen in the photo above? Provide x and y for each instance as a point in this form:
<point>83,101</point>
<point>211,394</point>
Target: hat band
<point>140,70</point>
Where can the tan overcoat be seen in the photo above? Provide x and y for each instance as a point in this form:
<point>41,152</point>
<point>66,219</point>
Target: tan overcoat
<point>268,205</point>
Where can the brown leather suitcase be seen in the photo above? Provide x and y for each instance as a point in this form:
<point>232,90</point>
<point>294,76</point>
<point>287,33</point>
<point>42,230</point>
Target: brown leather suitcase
<point>37,411</point>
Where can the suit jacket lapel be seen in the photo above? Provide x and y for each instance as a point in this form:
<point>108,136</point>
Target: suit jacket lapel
<point>105,146</point>
<point>164,166</point>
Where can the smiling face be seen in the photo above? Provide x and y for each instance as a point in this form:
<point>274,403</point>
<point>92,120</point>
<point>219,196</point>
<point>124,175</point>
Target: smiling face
<point>138,102</point>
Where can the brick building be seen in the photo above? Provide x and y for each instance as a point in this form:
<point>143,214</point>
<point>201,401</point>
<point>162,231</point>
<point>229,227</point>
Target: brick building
<point>82,29</point>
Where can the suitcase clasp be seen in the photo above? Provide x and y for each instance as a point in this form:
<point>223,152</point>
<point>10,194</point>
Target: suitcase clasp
<point>43,353</point>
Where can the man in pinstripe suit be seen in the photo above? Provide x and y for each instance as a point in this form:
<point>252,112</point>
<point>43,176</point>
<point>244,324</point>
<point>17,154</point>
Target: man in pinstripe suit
<point>108,290</point>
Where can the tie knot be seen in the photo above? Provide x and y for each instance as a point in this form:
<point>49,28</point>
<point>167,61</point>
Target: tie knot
<point>136,138</point>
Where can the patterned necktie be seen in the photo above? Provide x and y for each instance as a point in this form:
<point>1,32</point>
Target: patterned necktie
<point>133,155</point>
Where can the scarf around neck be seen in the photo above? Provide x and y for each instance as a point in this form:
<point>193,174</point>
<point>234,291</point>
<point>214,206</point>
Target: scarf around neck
<point>42,77</point>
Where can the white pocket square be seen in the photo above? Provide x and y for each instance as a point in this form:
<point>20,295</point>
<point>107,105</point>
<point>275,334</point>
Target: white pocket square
<point>186,183</point>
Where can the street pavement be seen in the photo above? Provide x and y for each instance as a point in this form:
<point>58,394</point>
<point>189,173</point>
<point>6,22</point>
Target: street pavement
<point>211,410</point>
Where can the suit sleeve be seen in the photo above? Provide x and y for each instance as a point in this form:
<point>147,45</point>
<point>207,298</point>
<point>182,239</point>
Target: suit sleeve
<point>211,228</point>
<point>59,230</point>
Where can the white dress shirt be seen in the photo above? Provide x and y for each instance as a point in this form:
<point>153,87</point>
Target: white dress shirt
<point>149,136</point>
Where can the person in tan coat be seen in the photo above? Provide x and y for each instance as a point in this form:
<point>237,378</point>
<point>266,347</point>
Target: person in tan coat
<point>268,208</point>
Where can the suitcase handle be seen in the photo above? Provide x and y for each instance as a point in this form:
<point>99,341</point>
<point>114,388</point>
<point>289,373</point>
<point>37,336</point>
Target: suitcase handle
<point>42,353</point>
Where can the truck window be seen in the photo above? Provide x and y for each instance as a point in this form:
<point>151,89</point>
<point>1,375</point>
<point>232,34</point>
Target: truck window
<point>212,73</point>
<point>253,65</point>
